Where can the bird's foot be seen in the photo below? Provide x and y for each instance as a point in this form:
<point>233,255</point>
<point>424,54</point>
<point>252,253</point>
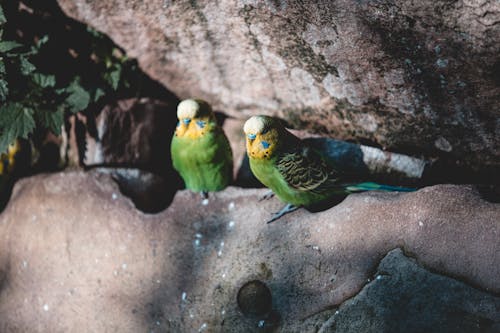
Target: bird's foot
<point>267,195</point>
<point>285,210</point>
<point>204,195</point>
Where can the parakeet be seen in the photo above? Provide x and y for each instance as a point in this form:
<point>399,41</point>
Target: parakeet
<point>295,172</point>
<point>9,168</point>
<point>200,150</point>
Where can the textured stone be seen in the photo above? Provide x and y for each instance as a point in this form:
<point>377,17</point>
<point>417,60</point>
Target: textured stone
<point>404,297</point>
<point>75,255</point>
<point>416,76</point>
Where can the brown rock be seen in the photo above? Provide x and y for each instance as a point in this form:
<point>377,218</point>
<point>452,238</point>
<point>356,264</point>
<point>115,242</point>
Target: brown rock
<point>419,76</point>
<point>76,256</point>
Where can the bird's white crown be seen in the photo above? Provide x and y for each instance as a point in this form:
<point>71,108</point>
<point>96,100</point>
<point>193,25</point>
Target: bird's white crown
<point>254,125</point>
<point>188,108</point>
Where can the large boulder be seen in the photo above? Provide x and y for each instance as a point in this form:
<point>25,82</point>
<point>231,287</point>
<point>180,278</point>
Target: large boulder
<point>414,76</point>
<point>76,256</point>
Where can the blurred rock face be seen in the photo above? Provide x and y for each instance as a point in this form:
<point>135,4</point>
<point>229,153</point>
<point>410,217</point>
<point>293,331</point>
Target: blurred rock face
<point>83,259</point>
<point>419,76</point>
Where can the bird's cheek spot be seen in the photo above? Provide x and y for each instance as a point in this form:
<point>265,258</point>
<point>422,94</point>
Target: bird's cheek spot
<point>265,144</point>
<point>201,123</point>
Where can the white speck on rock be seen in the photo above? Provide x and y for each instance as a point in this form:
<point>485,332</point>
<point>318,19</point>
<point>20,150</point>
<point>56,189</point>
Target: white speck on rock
<point>25,264</point>
<point>45,307</point>
<point>183,296</point>
<point>198,235</point>
<point>442,63</point>
<point>273,60</point>
<point>114,196</point>
<point>230,206</point>
<point>202,327</point>
<point>305,85</point>
<point>204,202</point>
<point>420,223</point>
<point>197,242</point>
<point>261,323</point>
<point>333,86</point>
<point>379,277</point>
<point>368,122</point>
<point>124,266</point>
<point>443,144</point>
<point>231,224</point>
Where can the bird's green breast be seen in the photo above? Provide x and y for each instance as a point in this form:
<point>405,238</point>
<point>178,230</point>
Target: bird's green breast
<point>204,163</point>
<point>267,173</point>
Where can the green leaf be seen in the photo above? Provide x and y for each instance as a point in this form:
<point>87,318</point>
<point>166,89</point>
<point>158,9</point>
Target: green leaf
<point>3,20</point>
<point>4,90</point>
<point>114,77</point>
<point>98,94</point>
<point>44,80</point>
<point>53,120</point>
<point>26,66</point>
<point>78,98</point>
<point>42,41</point>
<point>8,45</point>
<point>16,121</point>
<point>2,66</point>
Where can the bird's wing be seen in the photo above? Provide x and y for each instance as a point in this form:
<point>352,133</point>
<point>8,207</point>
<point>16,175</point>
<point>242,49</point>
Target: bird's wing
<point>305,170</point>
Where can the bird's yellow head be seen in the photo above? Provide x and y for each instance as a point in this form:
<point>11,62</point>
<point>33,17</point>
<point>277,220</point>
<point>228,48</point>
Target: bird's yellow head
<point>262,136</point>
<point>7,159</point>
<point>195,118</point>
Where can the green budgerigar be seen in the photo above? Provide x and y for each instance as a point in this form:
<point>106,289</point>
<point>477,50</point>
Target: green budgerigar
<point>295,172</point>
<point>200,150</point>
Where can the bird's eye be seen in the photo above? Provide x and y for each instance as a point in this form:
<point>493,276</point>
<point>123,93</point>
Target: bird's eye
<point>251,136</point>
<point>201,123</point>
<point>264,131</point>
<point>186,121</point>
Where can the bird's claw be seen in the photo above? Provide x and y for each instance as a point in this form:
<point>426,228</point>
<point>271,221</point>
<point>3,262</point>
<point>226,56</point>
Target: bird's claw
<point>285,210</point>
<point>267,195</point>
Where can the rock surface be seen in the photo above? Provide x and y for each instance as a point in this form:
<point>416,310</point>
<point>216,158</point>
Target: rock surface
<point>87,260</point>
<point>404,297</point>
<point>413,76</point>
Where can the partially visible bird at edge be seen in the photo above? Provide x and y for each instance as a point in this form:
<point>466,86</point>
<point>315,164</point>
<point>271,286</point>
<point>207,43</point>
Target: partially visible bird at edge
<point>295,172</point>
<point>200,150</point>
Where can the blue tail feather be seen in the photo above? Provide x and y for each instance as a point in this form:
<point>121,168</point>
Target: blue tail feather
<point>369,186</point>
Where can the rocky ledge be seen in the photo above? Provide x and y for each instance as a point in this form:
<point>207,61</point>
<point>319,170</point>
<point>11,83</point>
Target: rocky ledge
<point>76,255</point>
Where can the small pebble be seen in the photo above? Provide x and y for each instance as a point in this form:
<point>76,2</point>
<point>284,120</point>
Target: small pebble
<point>45,307</point>
<point>114,196</point>
<point>204,202</point>
<point>230,206</point>
<point>184,296</point>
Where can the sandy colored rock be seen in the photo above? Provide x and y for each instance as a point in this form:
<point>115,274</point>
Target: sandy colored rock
<point>76,256</point>
<point>419,76</point>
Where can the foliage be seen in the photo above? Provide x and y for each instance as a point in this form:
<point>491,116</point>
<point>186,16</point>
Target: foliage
<point>32,97</point>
